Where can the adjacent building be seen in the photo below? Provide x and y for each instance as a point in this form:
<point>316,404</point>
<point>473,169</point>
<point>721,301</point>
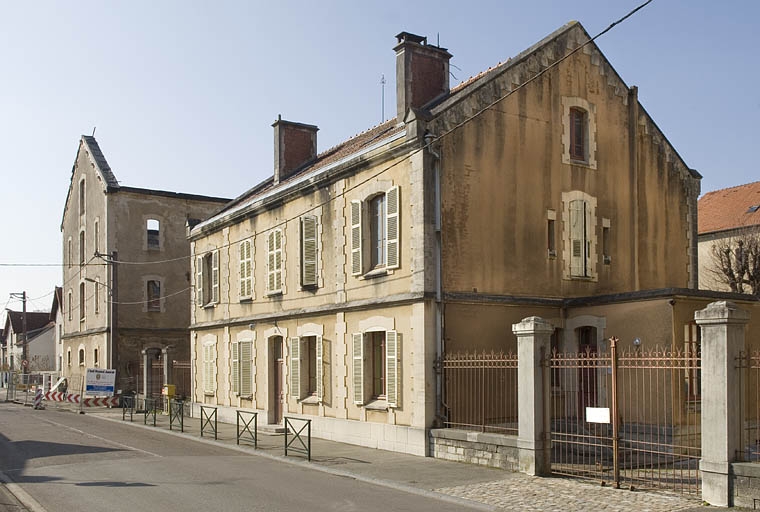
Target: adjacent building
<point>29,336</point>
<point>729,239</point>
<point>126,276</point>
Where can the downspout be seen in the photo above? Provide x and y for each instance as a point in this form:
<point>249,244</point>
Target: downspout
<point>439,313</point>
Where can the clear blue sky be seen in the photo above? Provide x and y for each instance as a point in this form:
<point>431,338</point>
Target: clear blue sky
<point>183,93</point>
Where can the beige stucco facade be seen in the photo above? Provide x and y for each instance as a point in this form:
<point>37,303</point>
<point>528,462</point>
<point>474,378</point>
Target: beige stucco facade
<point>106,297</point>
<point>560,198</point>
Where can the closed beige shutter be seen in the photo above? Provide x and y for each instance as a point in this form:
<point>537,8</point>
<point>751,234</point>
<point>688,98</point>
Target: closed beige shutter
<point>278,259</point>
<point>246,384</point>
<point>245,269</point>
<point>392,227</point>
<point>356,238</point>
<point>235,369</point>
<point>215,277</point>
<point>320,369</point>
<point>199,281</point>
<point>358,369</point>
<point>577,238</point>
<point>270,263</point>
<point>295,367</point>
<point>308,250</point>
<point>391,368</point>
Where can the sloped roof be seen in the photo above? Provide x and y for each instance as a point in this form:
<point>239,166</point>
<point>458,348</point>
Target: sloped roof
<point>57,302</point>
<point>729,208</point>
<point>335,154</point>
<point>100,160</point>
<point>35,321</point>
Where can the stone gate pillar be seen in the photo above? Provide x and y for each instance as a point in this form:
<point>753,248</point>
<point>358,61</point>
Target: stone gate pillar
<point>533,339</point>
<point>722,326</point>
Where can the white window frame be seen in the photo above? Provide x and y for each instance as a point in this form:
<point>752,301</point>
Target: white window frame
<point>361,361</point>
<point>360,234</point>
<point>298,360</point>
<point>241,356</point>
<point>208,348</point>
<point>245,255</point>
<point>275,254</point>
<point>309,251</point>
<point>574,241</point>
<point>207,276</point>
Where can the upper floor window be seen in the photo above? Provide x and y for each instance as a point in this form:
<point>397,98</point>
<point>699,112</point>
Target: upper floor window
<point>274,262</point>
<point>81,197</point>
<point>153,229</point>
<point>81,301</point>
<point>578,132</point>
<point>154,295</point>
<point>579,235</point>
<point>95,236</point>
<point>377,246</point>
<point>207,279</point>
<point>309,252</point>
<point>81,248</point>
<point>70,305</point>
<point>96,295</point>
<point>69,256</point>
<point>246,270</point>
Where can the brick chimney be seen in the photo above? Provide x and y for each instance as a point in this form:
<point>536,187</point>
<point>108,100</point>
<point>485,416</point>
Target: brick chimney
<point>422,72</point>
<point>295,144</point>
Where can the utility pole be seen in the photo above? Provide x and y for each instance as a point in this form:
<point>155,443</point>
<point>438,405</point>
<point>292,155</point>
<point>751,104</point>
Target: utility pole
<point>24,353</point>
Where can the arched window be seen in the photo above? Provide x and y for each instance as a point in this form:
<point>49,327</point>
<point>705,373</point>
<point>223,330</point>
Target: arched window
<point>81,357</point>
<point>153,228</point>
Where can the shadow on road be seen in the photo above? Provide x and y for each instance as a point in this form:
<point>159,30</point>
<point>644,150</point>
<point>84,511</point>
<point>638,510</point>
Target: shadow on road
<point>114,484</point>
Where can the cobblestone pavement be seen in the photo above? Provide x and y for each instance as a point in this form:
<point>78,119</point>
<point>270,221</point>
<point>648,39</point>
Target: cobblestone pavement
<point>523,492</point>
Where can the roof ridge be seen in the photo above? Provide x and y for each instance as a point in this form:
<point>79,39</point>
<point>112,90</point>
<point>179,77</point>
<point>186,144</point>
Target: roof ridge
<point>729,188</point>
<point>357,135</point>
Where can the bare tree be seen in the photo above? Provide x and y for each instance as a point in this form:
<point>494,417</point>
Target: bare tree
<point>736,261</point>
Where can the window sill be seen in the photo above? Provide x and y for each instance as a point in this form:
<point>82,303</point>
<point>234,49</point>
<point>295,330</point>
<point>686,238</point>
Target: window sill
<point>209,305</point>
<point>246,300</point>
<point>377,272</point>
<point>377,405</point>
<point>276,293</point>
<point>313,399</point>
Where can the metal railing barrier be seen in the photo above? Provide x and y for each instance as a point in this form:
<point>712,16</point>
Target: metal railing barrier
<point>244,419</point>
<point>150,410</point>
<point>177,414</point>
<point>297,436</point>
<point>208,420</point>
<point>127,404</point>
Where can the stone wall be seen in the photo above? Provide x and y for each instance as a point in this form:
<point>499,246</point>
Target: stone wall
<point>492,450</point>
<point>745,484</point>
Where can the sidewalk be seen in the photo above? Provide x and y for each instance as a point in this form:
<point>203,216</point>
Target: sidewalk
<point>486,488</point>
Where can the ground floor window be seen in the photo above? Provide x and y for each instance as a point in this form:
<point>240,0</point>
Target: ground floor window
<point>375,372</point>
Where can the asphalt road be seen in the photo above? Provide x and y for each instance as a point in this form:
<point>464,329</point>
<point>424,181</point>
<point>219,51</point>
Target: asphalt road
<point>70,462</point>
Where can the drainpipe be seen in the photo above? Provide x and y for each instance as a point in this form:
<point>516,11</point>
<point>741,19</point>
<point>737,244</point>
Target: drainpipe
<point>440,346</point>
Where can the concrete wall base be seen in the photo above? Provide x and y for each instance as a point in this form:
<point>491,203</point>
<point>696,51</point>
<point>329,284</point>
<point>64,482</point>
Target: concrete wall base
<point>492,450</point>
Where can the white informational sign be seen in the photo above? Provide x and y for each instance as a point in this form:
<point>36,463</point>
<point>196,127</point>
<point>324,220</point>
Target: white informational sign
<point>597,414</point>
<point>99,382</point>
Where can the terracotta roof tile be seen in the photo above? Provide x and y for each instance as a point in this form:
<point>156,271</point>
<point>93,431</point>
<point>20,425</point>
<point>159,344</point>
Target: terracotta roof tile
<point>729,208</point>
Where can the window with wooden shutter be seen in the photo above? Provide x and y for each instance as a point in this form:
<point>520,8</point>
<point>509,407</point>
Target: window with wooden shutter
<point>274,261</point>
<point>295,367</point>
<point>358,367</point>
<point>235,369</point>
<point>246,370</point>
<point>215,277</point>
<point>246,270</point>
<point>308,250</point>
<point>392,227</point>
<point>391,368</point>
<point>199,281</point>
<point>578,245</point>
<point>209,368</point>
<point>320,369</point>
<point>356,238</point>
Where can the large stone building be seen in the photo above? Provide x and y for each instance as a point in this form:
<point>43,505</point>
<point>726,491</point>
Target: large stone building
<point>126,276</point>
<point>539,187</point>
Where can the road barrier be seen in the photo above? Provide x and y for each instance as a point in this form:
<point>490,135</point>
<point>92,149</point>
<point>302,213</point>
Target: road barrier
<point>253,417</point>
<point>206,420</point>
<point>150,409</point>
<point>297,436</point>
<point>177,414</point>
<point>127,404</point>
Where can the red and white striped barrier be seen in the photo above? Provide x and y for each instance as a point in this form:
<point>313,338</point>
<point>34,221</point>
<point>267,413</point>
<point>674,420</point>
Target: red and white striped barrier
<point>38,400</point>
<point>56,396</point>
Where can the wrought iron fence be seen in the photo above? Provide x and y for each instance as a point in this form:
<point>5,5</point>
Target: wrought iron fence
<point>480,391</point>
<point>627,417</point>
<point>749,367</point>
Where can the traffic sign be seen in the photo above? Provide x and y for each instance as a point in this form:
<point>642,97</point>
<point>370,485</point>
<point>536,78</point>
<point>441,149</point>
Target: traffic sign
<point>24,363</point>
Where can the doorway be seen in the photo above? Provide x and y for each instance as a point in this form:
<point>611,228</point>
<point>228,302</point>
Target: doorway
<point>277,390</point>
<point>587,374</point>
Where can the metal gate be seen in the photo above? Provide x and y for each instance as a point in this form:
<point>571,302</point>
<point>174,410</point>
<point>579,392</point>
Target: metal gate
<point>626,417</point>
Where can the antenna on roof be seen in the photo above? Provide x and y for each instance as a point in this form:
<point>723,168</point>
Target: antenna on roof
<point>93,130</point>
<point>382,87</point>
<point>438,39</point>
